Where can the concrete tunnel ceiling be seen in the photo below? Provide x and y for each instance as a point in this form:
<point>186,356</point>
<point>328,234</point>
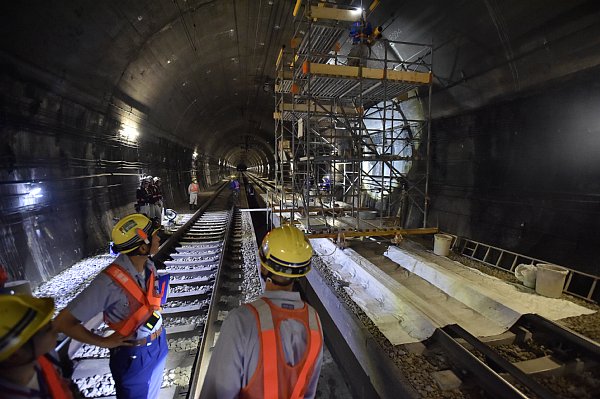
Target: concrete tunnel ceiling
<point>202,70</point>
<point>195,68</point>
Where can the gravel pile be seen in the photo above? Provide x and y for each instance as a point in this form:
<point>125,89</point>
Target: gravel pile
<point>191,268</point>
<point>179,376</point>
<point>69,283</point>
<point>184,321</point>
<point>88,351</point>
<point>179,304</point>
<point>191,249</point>
<point>196,253</point>
<point>196,289</point>
<point>96,385</point>
<point>104,385</point>
<point>194,277</point>
<point>213,258</point>
<point>576,386</point>
<point>518,353</point>
<point>184,344</point>
<point>251,287</point>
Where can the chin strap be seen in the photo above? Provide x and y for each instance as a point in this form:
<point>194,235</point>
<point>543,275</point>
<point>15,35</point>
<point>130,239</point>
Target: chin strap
<point>268,279</point>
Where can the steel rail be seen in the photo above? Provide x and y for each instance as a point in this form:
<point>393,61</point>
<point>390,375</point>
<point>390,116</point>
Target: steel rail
<point>583,344</point>
<point>496,359</point>
<point>492,383</point>
<point>208,334</point>
<point>163,251</point>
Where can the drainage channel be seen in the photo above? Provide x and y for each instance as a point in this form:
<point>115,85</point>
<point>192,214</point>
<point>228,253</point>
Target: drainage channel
<point>201,293</point>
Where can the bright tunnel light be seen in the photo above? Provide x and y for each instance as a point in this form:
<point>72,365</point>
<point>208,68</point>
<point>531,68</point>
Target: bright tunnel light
<point>36,192</point>
<point>357,11</point>
<point>129,132</point>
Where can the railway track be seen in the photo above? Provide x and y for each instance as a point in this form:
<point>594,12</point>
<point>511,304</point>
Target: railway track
<point>536,358</point>
<point>204,260</point>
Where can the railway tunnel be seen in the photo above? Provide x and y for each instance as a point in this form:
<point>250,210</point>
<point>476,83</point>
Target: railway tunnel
<point>428,150</point>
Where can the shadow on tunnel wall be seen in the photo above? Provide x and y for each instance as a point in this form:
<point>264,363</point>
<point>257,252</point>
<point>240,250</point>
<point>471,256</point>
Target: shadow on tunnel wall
<point>524,174</point>
<point>65,175</point>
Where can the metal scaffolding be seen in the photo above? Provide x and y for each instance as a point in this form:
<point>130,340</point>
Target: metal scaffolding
<point>348,130</point>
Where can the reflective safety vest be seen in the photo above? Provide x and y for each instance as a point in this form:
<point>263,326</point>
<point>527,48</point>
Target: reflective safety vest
<point>274,378</point>
<point>141,304</point>
<point>57,386</point>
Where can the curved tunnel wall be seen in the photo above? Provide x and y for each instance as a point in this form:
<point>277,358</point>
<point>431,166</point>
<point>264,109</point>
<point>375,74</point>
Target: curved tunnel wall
<point>524,174</point>
<point>485,182</point>
<point>66,174</point>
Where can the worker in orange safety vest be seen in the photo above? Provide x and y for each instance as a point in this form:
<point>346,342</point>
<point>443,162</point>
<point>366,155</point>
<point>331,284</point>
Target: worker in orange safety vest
<point>193,190</point>
<point>27,341</point>
<point>273,347</point>
<point>129,295</point>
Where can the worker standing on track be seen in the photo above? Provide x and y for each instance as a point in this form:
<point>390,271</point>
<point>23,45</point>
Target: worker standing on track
<point>235,185</point>
<point>158,198</point>
<point>273,347</point>
<point>193,190</point>
<point>27,341</point>
<point>128,294</point>
<point>143,197</point>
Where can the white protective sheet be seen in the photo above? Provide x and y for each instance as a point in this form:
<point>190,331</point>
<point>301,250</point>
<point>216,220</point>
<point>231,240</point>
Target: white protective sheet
<point>405,308</point>
<point>487,295</point>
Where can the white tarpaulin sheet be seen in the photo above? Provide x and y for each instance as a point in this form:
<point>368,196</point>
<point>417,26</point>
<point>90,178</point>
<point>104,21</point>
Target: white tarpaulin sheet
<point>485,294</point>
<point>405,308</point>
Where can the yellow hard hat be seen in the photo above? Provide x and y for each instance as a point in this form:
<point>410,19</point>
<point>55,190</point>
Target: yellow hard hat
<point>131,232</point>
<point>22,317</point>
<point>285,251</point>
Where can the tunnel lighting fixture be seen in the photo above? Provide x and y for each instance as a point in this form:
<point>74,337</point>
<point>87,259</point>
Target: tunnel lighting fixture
<point>36,192</point>
<point>357,11</point>
<point>129,132</point>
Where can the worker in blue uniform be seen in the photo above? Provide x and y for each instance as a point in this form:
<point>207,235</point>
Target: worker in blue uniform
<point>127,293</point>
<point>273,347</point>
<point>363,37</point>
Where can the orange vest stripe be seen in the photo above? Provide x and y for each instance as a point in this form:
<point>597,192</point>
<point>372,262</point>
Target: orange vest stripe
<point>56,386</point>
<point>313,354</point>
<point>146,302</point>
<point>271,366</point>
<point>269,349</point>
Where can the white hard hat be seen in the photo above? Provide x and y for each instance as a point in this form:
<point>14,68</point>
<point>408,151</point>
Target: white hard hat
<point>156,179</point>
